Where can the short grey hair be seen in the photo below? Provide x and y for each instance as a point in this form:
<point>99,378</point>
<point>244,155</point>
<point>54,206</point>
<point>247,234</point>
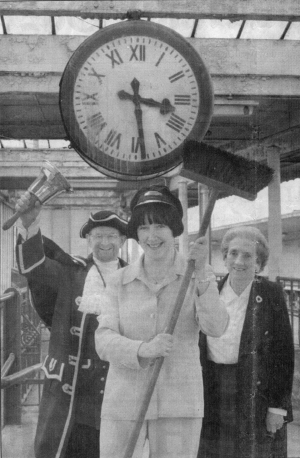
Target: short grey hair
<point>249,233</point>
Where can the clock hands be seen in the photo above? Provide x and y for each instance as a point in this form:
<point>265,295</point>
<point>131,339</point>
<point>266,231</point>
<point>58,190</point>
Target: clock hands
<point>165,106</point>
<point>135,84</point>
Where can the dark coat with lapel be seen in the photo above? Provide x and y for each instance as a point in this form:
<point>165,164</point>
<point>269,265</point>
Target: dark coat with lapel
<point>265,367</point>
<point>75,375</point>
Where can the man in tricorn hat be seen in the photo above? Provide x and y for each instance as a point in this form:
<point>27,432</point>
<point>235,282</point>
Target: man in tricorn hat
<point>66,293</point>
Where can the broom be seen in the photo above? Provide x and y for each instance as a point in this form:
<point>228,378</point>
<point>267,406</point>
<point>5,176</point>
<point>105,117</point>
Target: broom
<point>227,174</point>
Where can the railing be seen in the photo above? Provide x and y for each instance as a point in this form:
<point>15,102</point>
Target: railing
<point>19,377</point>
<point>21,341</point>
<point>21,337</point>
<point>30,341</point>
<point>291,287</point>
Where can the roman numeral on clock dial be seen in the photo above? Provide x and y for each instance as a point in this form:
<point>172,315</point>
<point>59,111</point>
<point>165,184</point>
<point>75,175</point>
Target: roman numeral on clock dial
<point>115,57</point>
<point>138,52</point>
<point>175,122</point>
<point>113,138</point>
<point>182,99</point>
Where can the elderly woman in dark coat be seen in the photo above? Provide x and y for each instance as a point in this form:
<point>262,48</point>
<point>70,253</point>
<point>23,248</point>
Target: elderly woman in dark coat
<point>248,371</point>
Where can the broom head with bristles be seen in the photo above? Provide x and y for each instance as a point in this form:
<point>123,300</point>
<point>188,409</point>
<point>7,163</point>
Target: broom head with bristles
<point>228,173</point>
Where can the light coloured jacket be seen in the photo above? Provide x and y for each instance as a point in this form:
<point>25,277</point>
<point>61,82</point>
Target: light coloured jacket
<point>134,312</point>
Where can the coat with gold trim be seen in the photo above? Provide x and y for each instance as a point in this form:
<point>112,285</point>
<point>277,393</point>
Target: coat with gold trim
<point>74,374</point>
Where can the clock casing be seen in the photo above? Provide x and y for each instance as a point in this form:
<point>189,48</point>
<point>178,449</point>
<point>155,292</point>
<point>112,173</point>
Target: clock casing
<point>131,95</point>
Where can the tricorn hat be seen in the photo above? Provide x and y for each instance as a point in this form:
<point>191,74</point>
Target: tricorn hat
<point>104,218</point>
<point>156,194</point>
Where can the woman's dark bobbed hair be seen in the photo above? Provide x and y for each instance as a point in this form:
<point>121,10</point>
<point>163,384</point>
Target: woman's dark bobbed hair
<point>160,206</point>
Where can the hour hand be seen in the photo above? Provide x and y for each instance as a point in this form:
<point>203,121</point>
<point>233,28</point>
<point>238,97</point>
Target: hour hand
<point>165,106</point>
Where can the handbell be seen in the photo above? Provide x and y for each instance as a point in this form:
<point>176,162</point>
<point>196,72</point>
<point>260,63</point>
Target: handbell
<point>48,184</point>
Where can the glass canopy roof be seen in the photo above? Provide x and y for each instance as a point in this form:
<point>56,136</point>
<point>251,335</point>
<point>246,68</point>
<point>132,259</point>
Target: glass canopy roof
<point>202,28</point>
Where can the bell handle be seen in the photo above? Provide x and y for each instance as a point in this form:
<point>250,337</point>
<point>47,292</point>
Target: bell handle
<point>10,221</point>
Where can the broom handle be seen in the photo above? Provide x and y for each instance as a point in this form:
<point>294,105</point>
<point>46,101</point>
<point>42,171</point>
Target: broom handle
<point>169,330</point>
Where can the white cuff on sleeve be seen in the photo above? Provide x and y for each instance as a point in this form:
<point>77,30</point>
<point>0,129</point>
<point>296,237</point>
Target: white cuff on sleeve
<point>277,411</point>
<point>30,231</point>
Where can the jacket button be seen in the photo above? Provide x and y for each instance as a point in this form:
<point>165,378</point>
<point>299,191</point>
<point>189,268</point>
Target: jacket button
<point>78,300</point>
<point>102,379</point>
<point>101,392</point>
<point>67,389</point>
<point>258,383</point>
<point>75,331</point>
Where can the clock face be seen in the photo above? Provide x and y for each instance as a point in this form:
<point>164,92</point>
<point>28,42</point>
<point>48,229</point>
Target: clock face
<point>130,98</point>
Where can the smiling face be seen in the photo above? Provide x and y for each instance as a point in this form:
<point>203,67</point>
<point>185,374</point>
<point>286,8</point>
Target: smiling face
<point>241,260</point>
<point>105,243</point>
<point>157,241</point>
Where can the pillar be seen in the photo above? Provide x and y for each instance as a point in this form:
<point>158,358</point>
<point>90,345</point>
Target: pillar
<point>183,197</point>
<point>133,251</point>
<point>274,222</point>
<point>203,196</point>
<point>202,200</point>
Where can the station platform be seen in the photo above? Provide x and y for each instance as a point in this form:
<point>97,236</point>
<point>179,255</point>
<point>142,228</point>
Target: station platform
<point>17,441</point>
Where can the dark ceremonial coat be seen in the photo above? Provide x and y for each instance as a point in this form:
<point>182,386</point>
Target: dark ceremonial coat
<point>264,373</point>
<point>74,374</point>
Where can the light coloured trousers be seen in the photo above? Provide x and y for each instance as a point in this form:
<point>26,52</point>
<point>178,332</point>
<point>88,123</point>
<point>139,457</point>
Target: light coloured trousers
<point>168,438</point>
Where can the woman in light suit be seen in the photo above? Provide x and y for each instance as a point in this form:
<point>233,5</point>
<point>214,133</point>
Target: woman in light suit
<point>131,335</point>
<point>248,371</point>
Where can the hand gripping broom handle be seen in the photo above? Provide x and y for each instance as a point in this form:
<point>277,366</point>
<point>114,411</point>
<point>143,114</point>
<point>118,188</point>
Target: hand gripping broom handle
<point>169,330</point>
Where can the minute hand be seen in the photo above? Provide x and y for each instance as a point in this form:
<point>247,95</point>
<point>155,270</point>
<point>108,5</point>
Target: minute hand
<point>165,106</point>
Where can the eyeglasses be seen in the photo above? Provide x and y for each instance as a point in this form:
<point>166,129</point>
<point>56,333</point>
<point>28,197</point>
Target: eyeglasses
<point>110,237</point>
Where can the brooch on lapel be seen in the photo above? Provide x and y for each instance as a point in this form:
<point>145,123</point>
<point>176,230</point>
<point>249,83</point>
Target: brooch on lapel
<point>258,299</point>
<point>78,301</point>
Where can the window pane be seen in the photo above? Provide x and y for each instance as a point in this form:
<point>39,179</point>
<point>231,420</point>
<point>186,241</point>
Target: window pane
<point>75,26</point>
<point>28,25</point>
<point>263,30</point>
<point>182,26</point>
<point>294,32</point>
<point>217,29</point>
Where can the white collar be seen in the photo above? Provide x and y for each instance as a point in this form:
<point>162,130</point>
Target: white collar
<point>110,265</point>
<point>230,294</point>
